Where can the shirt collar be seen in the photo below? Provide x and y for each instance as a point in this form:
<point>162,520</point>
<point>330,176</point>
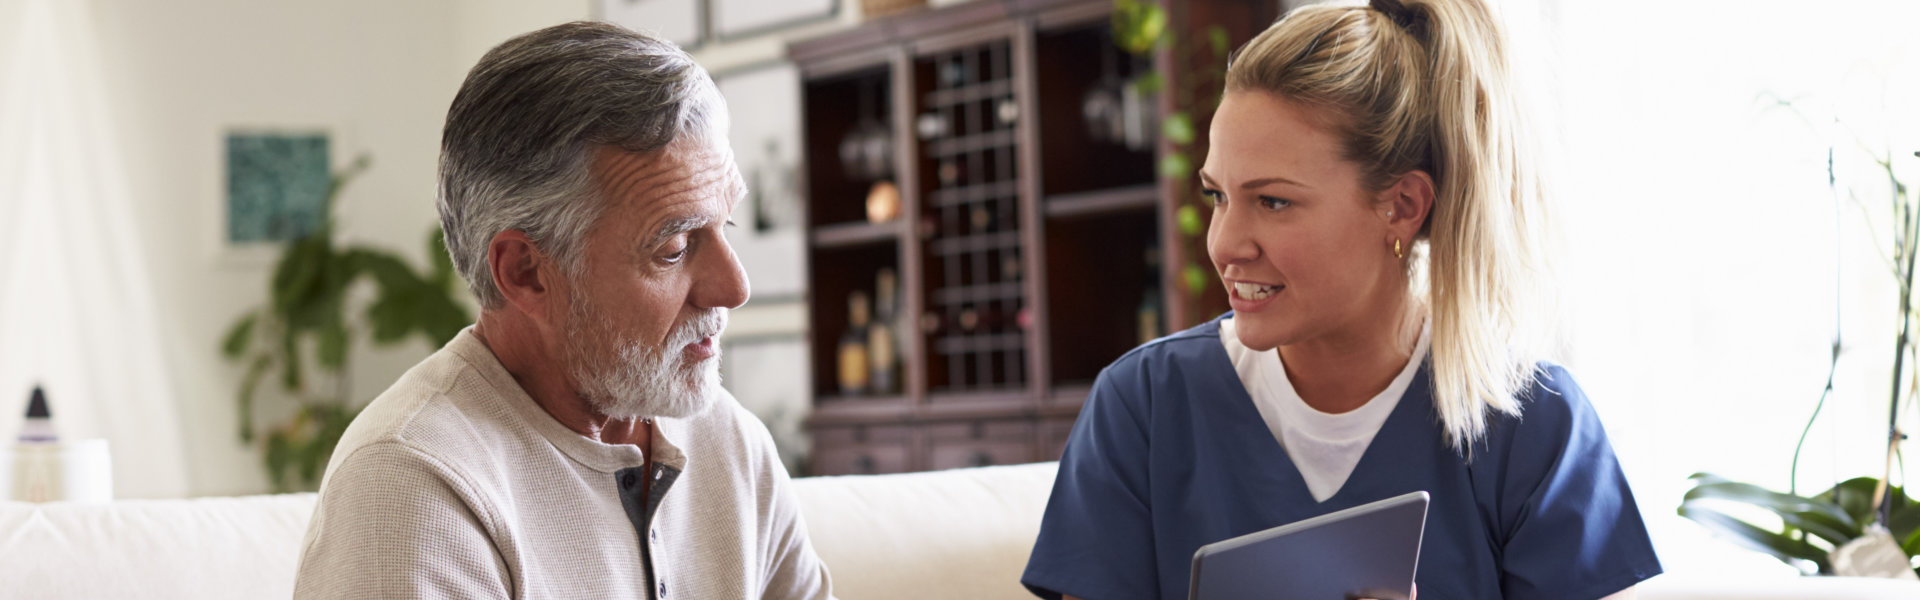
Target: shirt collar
<point>597,455</point>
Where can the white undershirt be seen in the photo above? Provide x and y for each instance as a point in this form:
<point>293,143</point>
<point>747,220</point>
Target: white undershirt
<point>1325,447</point>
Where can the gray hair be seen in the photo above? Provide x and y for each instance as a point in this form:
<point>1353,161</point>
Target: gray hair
<point>520,134</point>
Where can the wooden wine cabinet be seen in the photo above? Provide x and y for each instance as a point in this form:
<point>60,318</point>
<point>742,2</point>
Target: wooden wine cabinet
<point>1028,240</point>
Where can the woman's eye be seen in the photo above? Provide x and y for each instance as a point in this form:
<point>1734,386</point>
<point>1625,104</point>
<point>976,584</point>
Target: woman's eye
<point>1272,203</point>
<point>1213,196</point>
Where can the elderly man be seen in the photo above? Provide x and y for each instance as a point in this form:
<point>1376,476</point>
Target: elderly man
<point>575,442</point>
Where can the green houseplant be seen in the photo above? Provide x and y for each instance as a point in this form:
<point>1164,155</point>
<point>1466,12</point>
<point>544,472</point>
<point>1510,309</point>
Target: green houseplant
<point>1143,28</point>
<point>300,337</point>
<point>1812,528</point>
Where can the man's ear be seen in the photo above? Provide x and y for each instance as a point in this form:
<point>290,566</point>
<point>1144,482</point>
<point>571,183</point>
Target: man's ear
<point>1408,202</point>
<point>525,276</point>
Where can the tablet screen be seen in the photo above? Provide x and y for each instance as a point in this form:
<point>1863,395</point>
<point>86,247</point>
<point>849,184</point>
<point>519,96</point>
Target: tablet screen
<point>1369,550</point>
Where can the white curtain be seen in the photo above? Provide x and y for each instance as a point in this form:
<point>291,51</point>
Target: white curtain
<point>77,312</point>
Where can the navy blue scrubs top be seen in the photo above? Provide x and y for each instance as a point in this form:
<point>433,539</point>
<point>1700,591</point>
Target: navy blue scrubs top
<point>1169,454</point>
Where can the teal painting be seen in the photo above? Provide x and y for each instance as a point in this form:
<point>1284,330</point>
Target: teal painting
<point>276,186</point>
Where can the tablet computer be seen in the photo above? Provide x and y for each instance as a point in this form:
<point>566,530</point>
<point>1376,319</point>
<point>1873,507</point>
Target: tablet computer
<point>1368,551</point>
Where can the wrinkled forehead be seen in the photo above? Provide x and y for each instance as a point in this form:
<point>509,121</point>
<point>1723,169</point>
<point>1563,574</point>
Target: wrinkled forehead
<point>693,175</point>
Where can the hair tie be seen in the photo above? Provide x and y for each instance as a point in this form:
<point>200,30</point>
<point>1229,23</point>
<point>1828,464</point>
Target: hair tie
<point>1410,19</point>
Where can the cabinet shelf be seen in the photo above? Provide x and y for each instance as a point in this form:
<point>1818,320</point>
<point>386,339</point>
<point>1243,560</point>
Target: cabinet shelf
<point>976,243</point>
<point>1142,197</point>
<point>988,342</point>
<point>847,235</point>
<point>974,193</point>
<point>1029,246</point>
<point>976,293</point>
<point>969,93</point>
<point>956,146</point>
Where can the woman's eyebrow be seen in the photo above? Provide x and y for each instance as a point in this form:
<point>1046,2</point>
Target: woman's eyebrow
<point>1256,183</point>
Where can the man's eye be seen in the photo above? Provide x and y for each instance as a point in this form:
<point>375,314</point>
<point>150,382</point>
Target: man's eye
<point>678,252</point>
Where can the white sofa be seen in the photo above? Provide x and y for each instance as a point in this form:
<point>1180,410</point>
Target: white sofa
<point>962,534</point>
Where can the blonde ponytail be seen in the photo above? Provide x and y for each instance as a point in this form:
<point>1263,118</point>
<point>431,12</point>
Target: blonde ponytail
<point>1426,84</point>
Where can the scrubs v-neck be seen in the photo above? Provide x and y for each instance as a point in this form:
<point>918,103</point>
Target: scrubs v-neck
<point>1169,454</point>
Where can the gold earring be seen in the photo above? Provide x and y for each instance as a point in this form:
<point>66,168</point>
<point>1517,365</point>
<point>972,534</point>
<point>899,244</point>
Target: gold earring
<point>1397,253</point>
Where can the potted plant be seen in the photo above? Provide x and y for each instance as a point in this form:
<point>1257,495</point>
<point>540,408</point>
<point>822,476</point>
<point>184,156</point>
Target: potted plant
<point>302,334</point>
<point>1862,526</point>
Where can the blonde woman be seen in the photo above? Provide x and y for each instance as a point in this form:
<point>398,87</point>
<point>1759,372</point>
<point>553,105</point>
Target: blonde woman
<point>1358,151</point>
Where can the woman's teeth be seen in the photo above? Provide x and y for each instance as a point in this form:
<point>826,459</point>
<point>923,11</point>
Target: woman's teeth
<point>1250,291</point>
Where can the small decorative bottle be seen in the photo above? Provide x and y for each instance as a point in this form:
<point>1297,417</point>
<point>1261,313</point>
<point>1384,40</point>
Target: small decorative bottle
<point>38,427</point>
<point>1148,321</point>
<point>853,347</point>
<point>883,349</point>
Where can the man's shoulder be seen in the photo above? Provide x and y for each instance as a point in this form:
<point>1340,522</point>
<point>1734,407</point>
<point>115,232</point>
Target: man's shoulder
<point>442,409</point>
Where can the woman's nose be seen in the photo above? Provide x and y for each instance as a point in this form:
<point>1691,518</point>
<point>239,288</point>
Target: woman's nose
<point>1229,239</point>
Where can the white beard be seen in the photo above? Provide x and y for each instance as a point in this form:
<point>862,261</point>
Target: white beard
<point>630,379</point>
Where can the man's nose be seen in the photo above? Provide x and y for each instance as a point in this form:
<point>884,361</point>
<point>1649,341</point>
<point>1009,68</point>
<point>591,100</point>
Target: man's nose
<point>721,282</point>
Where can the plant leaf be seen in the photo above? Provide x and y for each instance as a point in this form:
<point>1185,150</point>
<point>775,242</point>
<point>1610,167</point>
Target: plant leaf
<point>1740,532</point>
<point>1196,279</point>
<point>1855,496</point>
<point>299,271</point>
<point>442,276</point>
<point>392,316</point>
<point>1175,165</point>
<point>1189,218</point>
<point>1217,37</point>
<point>239,337</point>
<point>248,384</point>
<point>1149,83</point>
<point>290,376</point>
<point>331,347</point>
<point>439,317</point>
<point>1816,517</point>
<point>1138,25</point>
<point>1178,128</point>
<point>277,457</point>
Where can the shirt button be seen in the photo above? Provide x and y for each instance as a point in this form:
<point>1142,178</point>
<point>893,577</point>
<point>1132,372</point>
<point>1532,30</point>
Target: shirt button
<point>663,589</point>
<point>654,535</point>
<point>657,473</point>
<point>628,480</point>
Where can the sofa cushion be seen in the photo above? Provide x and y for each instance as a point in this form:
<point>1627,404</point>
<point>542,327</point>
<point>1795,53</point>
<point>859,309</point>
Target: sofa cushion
<point>954,534</point>
<point>202,548</point>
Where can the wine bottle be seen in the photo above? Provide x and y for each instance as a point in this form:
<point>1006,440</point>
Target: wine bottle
<point>883,350</point>
<point>853,347</point>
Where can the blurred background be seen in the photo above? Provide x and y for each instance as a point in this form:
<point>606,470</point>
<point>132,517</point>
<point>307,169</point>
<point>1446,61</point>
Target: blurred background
<point>960,212</point>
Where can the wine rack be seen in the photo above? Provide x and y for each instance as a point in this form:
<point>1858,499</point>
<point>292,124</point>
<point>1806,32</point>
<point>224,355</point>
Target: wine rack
<point>1018,209</point>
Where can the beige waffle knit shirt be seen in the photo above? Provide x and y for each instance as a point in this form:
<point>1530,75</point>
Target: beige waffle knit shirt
<point>455,484</point>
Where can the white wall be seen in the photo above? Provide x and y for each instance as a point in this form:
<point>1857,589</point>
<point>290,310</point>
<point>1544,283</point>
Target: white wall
<point>378,75</point>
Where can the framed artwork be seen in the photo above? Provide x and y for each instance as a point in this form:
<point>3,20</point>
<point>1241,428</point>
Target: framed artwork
<point>741,18</point>
<point>277,185</point>
<point>682,22</point>
<point>764,102</point>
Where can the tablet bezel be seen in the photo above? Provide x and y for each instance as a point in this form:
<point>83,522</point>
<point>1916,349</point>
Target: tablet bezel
<point>1340,517</point>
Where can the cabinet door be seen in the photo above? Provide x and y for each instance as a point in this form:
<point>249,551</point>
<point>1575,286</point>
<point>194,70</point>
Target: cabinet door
<point>980,444</point>
<point>862,450</point>
<point>1053,437</point>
